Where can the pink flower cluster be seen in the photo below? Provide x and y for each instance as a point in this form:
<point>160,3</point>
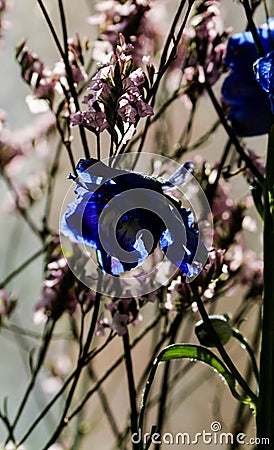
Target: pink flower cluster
<point>130,18</point>
<point>58,292</point>
<point>61,291</point>
<point>15,150</point>
<point>124,311</point>
<point>117,101</point>
<point>203,49</point>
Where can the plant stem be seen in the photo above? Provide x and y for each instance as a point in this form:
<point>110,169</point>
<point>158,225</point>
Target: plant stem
<point>49,327</point>
<point>22,266</point>
<point>51,27</point>
<point>212,187</point>
<point>93,376</point>
<point>64,54</point>
<point>70,76</point>
<point>231,134</point>
<point>98,146</point>
<point>252,28</point>
<point>226,358</point>
<point>51,181</point>
<point>80,365</point>
<point>167,60</point>
<point>265,417</point>
<point>112,368</point>
<point>21,210</point>
<point>131,387</point>
<point>243,341</point>
<point>243,416</point>
<point>8,425</point>
<point>165,382</point>
<point>110,416</point>
<point>90,392</point>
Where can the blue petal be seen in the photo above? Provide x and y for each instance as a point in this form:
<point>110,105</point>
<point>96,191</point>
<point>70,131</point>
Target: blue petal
<point>80,222</point>
<point>250,112</point>
<point>241,50</point>
<point>83,224</point>
<point>92,171</point>
<point>103,218</point>
<point>181,243</point>
<point>111,265</point>
<point>264,71</point>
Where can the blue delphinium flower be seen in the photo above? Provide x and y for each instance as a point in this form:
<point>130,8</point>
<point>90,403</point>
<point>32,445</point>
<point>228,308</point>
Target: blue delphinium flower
<point>249,109</point>
<point>264,71</point>
<point>123,215</point>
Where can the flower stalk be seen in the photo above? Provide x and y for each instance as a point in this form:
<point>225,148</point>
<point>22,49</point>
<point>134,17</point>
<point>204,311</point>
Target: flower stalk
<point>265,417</point>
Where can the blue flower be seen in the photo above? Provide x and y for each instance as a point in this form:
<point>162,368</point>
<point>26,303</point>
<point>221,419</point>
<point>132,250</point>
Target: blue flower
<point>264,71</point>
<point>249,109</point>
<point>123,215</point>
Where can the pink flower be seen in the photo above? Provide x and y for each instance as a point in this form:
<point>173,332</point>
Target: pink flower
<point>201,52</point>
<point>126,110</point>
<point>58,290</point>
<point>119,323</point>
<point>143,109</point>
<point>44,81</point>
<point>222,201</point>
<point>137,77</point>
<point>124,312</point>
<point>117,101</point>
<point>102,324</point>
<point>132,20</point>
<point>93,120</point>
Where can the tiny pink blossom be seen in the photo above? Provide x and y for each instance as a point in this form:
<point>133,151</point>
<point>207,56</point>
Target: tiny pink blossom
<point>144,110</point>
<point>119,323</point>
<point>116,101</point>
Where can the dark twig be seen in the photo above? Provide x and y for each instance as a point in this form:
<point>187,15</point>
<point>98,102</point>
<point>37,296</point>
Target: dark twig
<point>66,62</point>
<point>226,358</point>
<point>165,382</point>
<point>131,387</point>
<point>80,365</point>
<point>252,27</point>
<point>167,60</point>
<point>70,76</point>
<point>22,267</point>
<point>49,327</point>
<point>231,135</point>
<point>22,211</point>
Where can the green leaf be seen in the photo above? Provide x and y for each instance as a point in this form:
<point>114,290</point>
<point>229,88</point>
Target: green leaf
<point>245,344</point>
<point>203,354</point>
<point>195,353</point>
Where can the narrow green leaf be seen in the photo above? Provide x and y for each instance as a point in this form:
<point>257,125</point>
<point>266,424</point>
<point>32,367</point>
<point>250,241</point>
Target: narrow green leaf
<point>195,353</point>
<point>245,344</point>
<point>203,354</point>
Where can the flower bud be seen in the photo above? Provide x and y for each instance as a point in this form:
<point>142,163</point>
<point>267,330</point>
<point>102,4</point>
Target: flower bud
<point>220,324</point>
